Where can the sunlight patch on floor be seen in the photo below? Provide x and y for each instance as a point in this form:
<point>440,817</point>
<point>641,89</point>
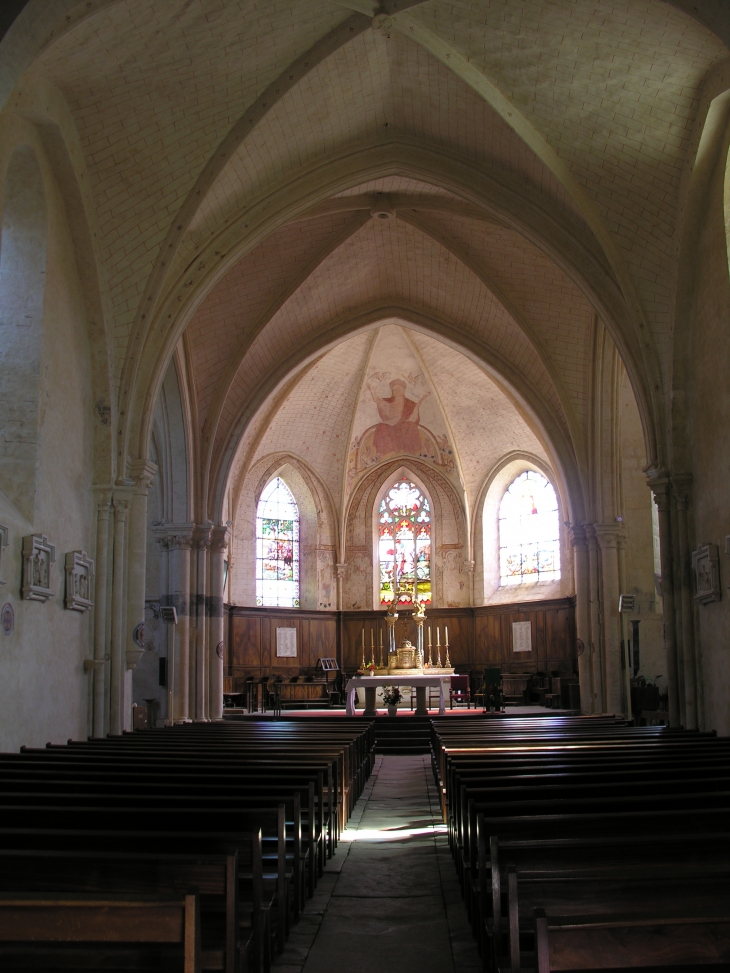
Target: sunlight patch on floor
<point>391,834</point>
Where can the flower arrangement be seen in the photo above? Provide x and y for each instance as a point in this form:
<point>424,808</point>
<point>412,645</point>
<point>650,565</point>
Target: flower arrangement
<point>392,695</point>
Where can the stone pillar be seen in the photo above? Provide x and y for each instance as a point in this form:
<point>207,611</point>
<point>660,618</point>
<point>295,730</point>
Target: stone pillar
<point>681,483</point>
<point>219,539</point>
<point>595,647</point>
<point>340,569</point>
<point>101,655</point>
<point>169,630</point>
<point>143,473</point>
<point>582,615</point>
<point>469,568</point>
<point>180,542</point>
<point>608,538</point>
<point>201,542</point>
<point>116,701</point>
<point>659,486</point>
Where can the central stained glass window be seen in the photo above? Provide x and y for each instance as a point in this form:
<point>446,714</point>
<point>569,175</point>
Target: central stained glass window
<point>405,544</point>
<point>529,532</point>
<point>277,547</point>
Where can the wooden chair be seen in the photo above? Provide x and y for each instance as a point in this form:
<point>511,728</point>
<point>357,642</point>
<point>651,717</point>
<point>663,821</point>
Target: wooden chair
<point>459,690</point>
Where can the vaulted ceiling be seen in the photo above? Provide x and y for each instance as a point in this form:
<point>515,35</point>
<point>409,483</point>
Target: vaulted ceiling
<point>272,179</point>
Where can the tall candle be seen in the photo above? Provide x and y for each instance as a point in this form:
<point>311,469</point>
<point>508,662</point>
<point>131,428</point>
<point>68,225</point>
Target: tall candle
<point>429,636</point>
<point>446,640</point>
<point>438,636</point>
<point>363,640</point>
<point>381,636</point>
<point>372,638</point>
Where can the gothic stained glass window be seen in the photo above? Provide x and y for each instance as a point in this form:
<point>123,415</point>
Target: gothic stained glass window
<point>277,547</point>
<point>529,535</point>
<point>404,544</point>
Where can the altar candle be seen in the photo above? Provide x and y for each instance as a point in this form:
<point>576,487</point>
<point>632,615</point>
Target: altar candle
<point>429,636</point>
<point>381,636</point>
<point>446,639</point>
<point>372,640</point>
<point>363,640</point>
<point>438,637</point>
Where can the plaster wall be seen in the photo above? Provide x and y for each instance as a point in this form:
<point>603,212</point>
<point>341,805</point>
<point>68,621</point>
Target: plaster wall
<point>44,691</point>
<point>709,438</point>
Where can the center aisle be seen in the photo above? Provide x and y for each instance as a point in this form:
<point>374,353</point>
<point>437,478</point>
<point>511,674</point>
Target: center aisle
<point>389,900</point>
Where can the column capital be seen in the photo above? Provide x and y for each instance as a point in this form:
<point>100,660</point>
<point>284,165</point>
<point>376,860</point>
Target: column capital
<point>201,536</point>
<point>121,503</point>
<point>142,472</point>
<point>103,498</point>
<point>577,535</point>
<point>681,483</point>
<point>220,536</point>
<point>659,484</point>
<point>174,537</point>
<point>610,535</point>
<point>341,569</point>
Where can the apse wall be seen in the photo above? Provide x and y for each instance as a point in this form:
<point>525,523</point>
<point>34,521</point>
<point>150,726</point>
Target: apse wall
<point>44,690</point>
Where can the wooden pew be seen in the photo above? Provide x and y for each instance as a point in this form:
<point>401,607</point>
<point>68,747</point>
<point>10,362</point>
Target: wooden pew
<point>511,785</point>
<point>213,877</point>
<point>623,941</point>
<point>174,824</point>
<point>86,923</point>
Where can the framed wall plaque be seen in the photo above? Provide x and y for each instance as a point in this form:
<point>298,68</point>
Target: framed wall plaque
<point>521,636</point>
<point>286,643</point>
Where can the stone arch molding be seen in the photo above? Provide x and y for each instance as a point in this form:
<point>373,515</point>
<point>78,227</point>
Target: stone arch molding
<point>317,531</point>
<point>488,191</point>
<point>450,580</point>
<point>487,589</point>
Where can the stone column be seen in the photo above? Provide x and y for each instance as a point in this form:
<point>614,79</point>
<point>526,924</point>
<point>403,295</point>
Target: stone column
<point>219,539</point>
<point>595,647</point>
<point>582,615</point>
<point>608,538</point>
<point>201,542</point>
<point>169,630</point>
<point>659,486</point>
<point>340,569</point>
<point>116,703</point>
<point>681,483</point>
<point>469,568</point>
<point>180,542</point>
<point>143,473</point>
<point>101,655</point>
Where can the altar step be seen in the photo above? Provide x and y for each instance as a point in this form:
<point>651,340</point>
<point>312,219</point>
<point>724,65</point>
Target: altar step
<point>402,735</point>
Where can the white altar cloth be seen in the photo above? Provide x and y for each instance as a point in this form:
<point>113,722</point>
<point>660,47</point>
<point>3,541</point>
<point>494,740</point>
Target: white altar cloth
<point>372,682</point>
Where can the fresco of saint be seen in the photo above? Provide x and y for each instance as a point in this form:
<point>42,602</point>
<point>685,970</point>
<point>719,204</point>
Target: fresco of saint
<point>397,431</point>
